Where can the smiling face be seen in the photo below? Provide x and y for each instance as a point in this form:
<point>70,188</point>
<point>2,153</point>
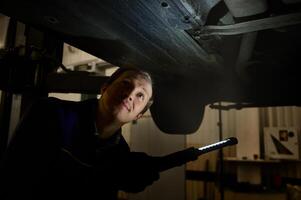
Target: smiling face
<point>126,97</point>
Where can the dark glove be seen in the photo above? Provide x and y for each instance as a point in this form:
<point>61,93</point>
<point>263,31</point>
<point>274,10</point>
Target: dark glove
<point>135,172</point>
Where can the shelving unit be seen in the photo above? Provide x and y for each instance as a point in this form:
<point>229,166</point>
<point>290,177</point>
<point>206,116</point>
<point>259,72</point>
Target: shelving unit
<point>257,161</point>
<point>274,174</point>
<point>249,161</point>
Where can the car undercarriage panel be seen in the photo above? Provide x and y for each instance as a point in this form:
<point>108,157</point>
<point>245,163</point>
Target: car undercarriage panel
<point>198,52</point>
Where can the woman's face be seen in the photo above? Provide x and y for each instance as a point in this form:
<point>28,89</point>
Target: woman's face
<point>127,96</point>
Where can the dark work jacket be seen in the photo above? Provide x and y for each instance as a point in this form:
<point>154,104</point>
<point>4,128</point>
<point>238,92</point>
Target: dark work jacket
<point>56,154</point>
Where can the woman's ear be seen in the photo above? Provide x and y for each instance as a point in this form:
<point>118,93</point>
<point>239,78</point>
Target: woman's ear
<point>103,88</point>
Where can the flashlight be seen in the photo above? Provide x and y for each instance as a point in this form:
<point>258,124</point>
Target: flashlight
<point>181,157</point>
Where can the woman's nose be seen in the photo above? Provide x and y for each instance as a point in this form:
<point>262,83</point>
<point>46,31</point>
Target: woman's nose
<point>127,91</point>
<point>131,95</point>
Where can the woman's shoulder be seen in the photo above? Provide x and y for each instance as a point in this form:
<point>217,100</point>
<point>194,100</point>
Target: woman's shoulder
<point>53,101</point>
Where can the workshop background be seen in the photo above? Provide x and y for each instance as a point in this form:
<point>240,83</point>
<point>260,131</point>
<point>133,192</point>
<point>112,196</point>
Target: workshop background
<point>265,164</point>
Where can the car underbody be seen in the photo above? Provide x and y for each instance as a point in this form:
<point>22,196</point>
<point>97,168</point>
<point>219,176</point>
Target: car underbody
<point>198,52</point>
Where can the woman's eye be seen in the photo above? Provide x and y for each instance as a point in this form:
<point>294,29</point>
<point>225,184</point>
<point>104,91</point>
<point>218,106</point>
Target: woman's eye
<point>140,95</point>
